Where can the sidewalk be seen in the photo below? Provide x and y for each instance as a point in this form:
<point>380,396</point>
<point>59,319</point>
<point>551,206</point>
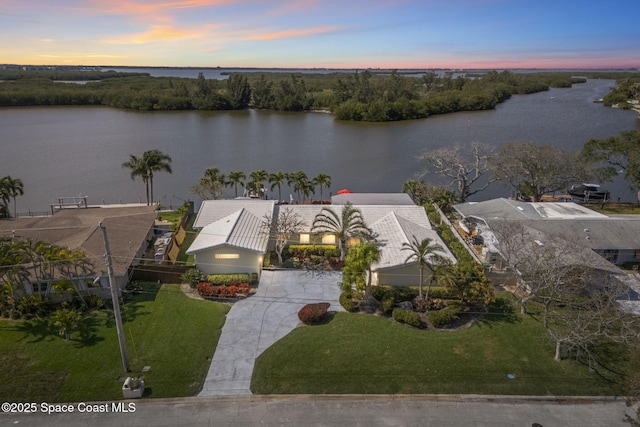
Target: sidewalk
<point>255,323</point>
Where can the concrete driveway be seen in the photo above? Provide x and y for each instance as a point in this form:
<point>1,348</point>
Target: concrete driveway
<point>255,323</point>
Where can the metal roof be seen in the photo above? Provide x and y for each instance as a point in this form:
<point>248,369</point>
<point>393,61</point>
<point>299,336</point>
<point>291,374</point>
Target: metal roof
<point>393,231</point>
<point>372,199</point>
<point>214,210</point>
<point>241,229</point>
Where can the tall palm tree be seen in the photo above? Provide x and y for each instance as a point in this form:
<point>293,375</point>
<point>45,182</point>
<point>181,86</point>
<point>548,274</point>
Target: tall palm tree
<point>137,167</point>
<point>156,161</point>
<point>322,180</point>
<point>276,180</point>
<point>349,223</point>
<point>235,178</point>
<point>425,253</point>
<point>256,179</point>
<point>12,187</point>
<point>299,181</point>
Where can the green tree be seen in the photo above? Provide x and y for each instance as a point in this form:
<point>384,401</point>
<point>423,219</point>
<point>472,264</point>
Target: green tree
<point>239,91</point>
<point>256,181</point>
<point>210,185</point>
<point>349,223</point>
<point>262,93</point>
<point>276,180</point>
<point>358,264</point>
<point>236,178</point>
<point>615,153</point>
<point>299,181</point>
<point>11,188</point>
<point>66,320</point>
<point>282,228</point>
<point>426,255</point>
<point>138,169</point>
<point>156,161</point>
<point>323,181</point>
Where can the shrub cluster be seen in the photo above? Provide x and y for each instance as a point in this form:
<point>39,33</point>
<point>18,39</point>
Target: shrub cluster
<point>440,318</point>
<point>228,279</point>
<point>193,277</point>
<point>306,251</point>
<point>208,290</point>
<point>346,301</point>
<point>409,317</point>
<point>313,314</point>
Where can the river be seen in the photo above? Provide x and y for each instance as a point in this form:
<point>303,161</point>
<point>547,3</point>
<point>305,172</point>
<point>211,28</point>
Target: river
<point>78,151</point>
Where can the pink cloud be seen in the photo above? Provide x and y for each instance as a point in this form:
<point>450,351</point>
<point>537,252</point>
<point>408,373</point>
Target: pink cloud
<point>155,34</point>
<point>302,32</point>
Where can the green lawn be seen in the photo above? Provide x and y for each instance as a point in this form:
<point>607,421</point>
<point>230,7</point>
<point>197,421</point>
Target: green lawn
<point>357,353</point>
<point>613,208</point>
<point>176,336</point>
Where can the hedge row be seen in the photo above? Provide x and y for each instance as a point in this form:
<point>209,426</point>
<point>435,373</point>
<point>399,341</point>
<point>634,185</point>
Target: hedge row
<point>409,317</point>
<point>228,279</point>
<point>439,318</point>
<point>306,251</point>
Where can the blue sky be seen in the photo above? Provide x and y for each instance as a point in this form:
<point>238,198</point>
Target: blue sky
<point>328,33</point>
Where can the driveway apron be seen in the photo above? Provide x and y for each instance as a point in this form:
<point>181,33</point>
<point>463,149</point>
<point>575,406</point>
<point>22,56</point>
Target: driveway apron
<point>255,323</point>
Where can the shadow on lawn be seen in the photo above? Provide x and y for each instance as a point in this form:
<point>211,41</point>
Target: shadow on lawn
<point>501,310</point>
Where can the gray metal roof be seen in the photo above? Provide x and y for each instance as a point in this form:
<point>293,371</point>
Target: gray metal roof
<point>241,229</point>
<point>393,231</point>
<point>214,210</point>
<point>372,199</point>
<point>571,221</point>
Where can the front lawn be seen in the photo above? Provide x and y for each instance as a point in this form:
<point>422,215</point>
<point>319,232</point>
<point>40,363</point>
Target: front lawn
<point>358,353</point>
<point>174,335</point>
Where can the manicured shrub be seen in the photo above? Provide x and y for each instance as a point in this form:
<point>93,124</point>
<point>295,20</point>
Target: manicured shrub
<point>440,318</point>
<point>306,251</point>
<point>387,303</point>
<point>228,279</point>
<point>346,301</point>
<point>409,317</point>
<point>31,306</point>
<point>378,292</point>
<point>313,314</point>
<point>205,289</point>
<point>193,277</point>
<point>438,292</point>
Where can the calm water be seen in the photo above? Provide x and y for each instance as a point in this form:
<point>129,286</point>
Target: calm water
<point>79,151</point>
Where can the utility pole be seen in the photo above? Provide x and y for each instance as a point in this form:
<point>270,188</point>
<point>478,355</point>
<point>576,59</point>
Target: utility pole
<point>116,302</point>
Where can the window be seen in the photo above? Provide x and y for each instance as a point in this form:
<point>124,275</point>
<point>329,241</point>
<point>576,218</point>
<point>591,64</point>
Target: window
<point>304,238</point>
<point>227,256</point>
<point>329,239</point>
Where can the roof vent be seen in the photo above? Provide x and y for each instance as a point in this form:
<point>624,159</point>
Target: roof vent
<point>588,238</point>
<point>586,230</point>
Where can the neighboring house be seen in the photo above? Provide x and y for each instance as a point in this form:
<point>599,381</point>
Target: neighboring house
<point>129,229</point>
<point>616,238</point>
<point>230,240</point>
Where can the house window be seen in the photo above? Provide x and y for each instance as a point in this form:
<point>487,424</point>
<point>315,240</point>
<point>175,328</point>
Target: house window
<point>353,241</point>
<point>227,256</point>
<point>40,287</point>
<point>329,239</point>
<point>304,238</point>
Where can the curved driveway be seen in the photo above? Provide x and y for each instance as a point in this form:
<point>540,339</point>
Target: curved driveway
<point>253,324</point>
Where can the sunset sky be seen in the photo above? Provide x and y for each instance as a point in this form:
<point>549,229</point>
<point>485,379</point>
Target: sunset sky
<point>323,33</point>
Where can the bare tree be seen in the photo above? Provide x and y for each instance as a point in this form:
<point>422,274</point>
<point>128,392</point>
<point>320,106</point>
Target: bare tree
<point>467,167</point>
<point>282,228</point>
<point>578,294</point>
<point>534,170</point>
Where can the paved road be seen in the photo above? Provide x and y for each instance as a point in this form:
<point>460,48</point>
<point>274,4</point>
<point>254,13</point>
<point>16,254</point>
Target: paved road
<point>255,323</point>
<point>372,410</point>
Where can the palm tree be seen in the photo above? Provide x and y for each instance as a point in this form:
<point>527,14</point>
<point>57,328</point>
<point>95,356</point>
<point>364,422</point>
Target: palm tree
<point>256,179</point>
<point>235,178</point>
<point>276,180</point>
<point>349,223</point>
<point>426,255</point>
<point>299,181</point>
<point>156,161</point>
<point>11,187</point>
<point>322,180</point>
<point>357,268</point>
<point>138,168</point>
